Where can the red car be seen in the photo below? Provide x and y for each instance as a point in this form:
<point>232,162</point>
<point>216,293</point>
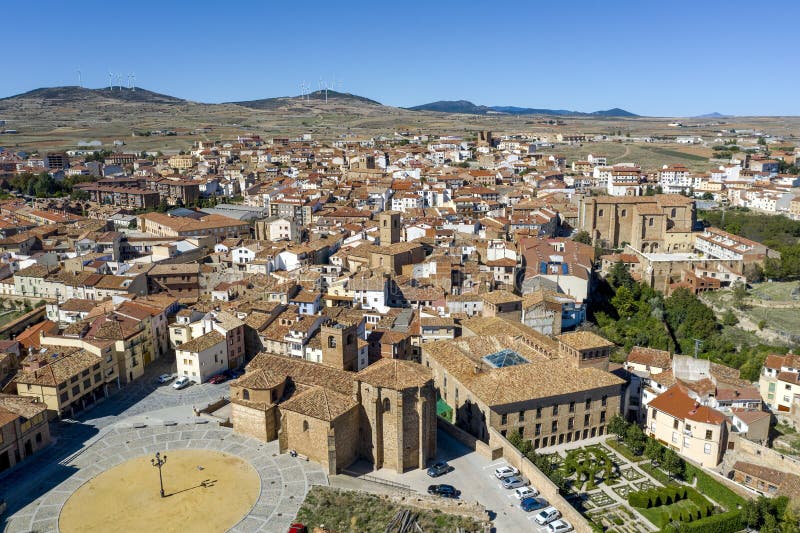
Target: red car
<point>297,527</point>
<point>219,378</point>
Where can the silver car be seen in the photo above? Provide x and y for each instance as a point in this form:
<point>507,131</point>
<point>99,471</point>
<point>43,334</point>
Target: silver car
<point>513,482</point>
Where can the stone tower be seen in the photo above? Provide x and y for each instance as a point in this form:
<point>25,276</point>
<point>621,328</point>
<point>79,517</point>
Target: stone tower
<point>389,222</point>
<point>339,346</point>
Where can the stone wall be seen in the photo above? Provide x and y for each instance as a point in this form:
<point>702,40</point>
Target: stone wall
<point>480,447</point>
<point>308,436</point>
<point>546,488</point>
<point>254,422</point>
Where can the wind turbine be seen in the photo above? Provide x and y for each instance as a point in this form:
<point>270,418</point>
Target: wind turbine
<point>80,83</point>
<point>119,81</point>
<point>110,81</point>
<point>133,81</point>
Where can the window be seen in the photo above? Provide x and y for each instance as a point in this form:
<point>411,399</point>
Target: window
<point>87,384</point>
<point>708,434</point>
<point>588,403</point>
<point>538,412</point>
<point>245,394</point>
<point>624,212</point>
<point>537,430</point>
<point>64,397</point>
<point>554,426</point>
<point>707,449</point>
<point>571,423</point>
<point>650,221</point>
<point>387,406</point>
<point>38,438</point>
<point>602,417</point>
<point>331,341</point>
<point>653,427</point>
<point>674,437</point>
<point>686,442</point>
<point>522,416</point>
<point>675,424</point>
<point>503,419</point>
<point>305,425</point>
<point>586,419</point>
<point>604,400</point>
<point>571,407</point>
<point>76,390</point>
<point>97,378</point>
<point>555,410</point>
<point>600,213</point>
<point>653,414</point>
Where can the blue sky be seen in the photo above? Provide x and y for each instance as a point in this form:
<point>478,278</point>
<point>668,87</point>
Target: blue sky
<point>660,58</point>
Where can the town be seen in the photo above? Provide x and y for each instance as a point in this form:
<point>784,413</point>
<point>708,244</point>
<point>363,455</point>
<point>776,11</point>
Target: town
<point>362,314</point>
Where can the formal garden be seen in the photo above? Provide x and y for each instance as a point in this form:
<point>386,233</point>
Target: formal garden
<point>632,484</point>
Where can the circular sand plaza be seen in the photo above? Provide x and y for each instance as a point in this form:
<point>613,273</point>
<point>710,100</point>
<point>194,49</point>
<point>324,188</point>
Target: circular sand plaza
<point>203,491</point>
<point>214,480</point>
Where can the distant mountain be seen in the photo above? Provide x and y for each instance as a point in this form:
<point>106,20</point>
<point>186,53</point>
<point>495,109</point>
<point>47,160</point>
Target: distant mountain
<point>711,115</point>
<point>453,106</point>
<point>73,93</point>
<point>282,101</point>
<point>467,107</point>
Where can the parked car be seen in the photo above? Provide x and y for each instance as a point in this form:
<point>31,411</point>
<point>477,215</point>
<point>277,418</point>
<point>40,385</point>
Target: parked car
<point>237,373</point>
<point>525,492</point>
<point>505,471</point>
<point>547,515</point>
<point>181,382</point>
<point>297,527</point>
<point>559,526</point>
<point>532,504</point>
<point>513,482</point>
<point>445,491</point>
<point>164,378</point>
<point>439,469</point>
<point>219,378</point>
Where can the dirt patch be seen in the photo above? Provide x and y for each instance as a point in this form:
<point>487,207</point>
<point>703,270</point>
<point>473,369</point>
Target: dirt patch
<point>205,491</point>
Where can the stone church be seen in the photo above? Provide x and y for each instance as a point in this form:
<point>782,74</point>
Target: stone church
<point>385,413</point>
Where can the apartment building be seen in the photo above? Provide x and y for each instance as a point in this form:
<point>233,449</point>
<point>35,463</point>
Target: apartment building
<point>682,424</point>
<point>122,196</point>
<point>66,379</point>
<point>23,429</point>
<point>779,383</point>
<point>193,225</point>
<point>202,357</point>
<point>720,244</point>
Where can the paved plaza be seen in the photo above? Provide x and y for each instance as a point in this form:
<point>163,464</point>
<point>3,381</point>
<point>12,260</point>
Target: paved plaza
<point>142,419</point>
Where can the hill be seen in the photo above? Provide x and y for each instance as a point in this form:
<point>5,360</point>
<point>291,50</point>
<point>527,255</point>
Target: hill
<point>72,93</point>
<point>467,107</point>
<point>283,101</point>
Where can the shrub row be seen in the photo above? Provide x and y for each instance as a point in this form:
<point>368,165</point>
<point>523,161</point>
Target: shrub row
<point>657,497</point>
<point>729,522</point>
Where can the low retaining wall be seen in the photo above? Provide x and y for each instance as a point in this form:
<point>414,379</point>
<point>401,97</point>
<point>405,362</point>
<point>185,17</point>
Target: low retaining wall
<point>480,447</point>
<point>546,488</point>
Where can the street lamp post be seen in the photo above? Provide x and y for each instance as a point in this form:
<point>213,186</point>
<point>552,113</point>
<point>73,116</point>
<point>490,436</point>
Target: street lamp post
<point>159,462</point>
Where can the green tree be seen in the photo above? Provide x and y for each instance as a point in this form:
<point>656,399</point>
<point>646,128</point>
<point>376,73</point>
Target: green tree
<point>653,451</point>
<point>618,426</point>
<point>672,463</point>
<point>583,237</point>
<point>739,295</point>
<point>624,302</point>
<point>618,276</point>
<point>635,439</point>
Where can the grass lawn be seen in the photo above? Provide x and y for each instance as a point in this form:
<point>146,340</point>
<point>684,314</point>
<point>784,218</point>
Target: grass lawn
<point>7,317</point>
<point>342,510</point>
<point>623,450</point>
<point>778,291</point>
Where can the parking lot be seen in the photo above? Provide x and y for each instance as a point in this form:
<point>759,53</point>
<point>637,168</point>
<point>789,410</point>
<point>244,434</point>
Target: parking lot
<point>474,476</point>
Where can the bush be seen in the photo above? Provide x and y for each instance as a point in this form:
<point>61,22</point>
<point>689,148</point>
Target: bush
<point>729,522</point>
